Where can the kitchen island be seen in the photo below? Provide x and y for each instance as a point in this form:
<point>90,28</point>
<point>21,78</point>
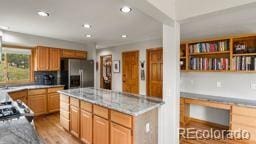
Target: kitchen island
<point>106,117</point>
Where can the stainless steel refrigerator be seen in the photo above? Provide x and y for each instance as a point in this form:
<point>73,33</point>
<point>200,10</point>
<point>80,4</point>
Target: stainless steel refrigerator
<point>77,73</point>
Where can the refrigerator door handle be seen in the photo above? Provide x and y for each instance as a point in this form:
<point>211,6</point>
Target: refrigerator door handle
<point>80,74</point>
<point>82,78</point>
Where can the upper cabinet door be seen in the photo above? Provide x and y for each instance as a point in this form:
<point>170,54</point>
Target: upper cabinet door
<point>54,57</point>
<point>74,54</point>
<point>42,59</point>
<point>67,54</point>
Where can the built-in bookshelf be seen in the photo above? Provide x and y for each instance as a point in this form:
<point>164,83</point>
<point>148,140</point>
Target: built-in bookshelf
<point>244,53</point>
<point>228,54</point>
<point>183,57</point>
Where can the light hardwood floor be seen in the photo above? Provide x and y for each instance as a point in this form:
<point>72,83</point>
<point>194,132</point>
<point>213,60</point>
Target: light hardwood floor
<point>51,132</point>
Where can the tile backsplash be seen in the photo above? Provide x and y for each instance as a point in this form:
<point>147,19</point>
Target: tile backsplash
<point>39,77</point>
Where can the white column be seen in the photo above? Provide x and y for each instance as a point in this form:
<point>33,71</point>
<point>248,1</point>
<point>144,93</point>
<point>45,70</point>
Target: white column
<point>169,112</point>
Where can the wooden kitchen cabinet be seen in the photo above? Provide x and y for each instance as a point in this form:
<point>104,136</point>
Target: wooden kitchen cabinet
<point>53,99</point>
<point>100,130</point>
<point>74,120</point>
<point>86,127</point>
<point>38,104</point>
<point>41,58</point>
<point>120,134</point>
<point>46,59</point>
<point>74,54</point>
<point>54,56</point>
<point>65,112</point>
<point>53,102</point>
<point>244,118</point>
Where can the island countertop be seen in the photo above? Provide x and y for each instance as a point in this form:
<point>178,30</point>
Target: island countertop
<point>123,102</point>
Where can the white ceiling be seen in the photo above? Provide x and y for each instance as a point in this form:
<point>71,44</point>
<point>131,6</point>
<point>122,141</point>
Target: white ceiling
<point>67,16</point>
<point>240,20</point>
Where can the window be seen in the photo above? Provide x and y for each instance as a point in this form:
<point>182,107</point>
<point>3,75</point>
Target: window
<point>15,65</point>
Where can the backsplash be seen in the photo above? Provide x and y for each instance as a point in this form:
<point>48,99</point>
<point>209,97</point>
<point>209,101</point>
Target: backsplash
<point>39,77</point>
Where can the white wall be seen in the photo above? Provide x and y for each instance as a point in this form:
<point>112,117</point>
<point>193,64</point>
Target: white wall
<point>117,55</point>
<point>191,8</point>
<point>235,85</point>
<point>31,41</point>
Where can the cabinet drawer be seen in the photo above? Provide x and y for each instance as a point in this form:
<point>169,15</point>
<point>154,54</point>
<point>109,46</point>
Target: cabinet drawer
<point>64,106</point>
<point>64,98</point>
<point>122,119</point>
<point>251,130</point>
<point>245,120</point>
<point>64,122</point>
<point>54,90</point>
<point>100,111</point>
<point>65,114</point>
<point>74,102</point>
<point>244,111</point>
<point>36,91</point>
<point>86,106</point>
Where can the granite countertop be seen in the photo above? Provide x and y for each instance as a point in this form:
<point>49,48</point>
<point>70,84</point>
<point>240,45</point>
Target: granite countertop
<point>18,131</point>
<point>226,100</point>
<point>123,102</point>
<point>4,92</point>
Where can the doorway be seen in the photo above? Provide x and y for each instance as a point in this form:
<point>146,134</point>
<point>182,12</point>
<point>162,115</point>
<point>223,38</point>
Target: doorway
<point>155,72</point>
<point>130,72</point>
<point>106,72</point>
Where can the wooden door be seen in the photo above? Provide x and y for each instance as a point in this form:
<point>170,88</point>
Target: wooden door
<point>42,59</point>
<point>53,102</point>
<point>38,104</point>
<point>54,63</point>
<point>86,127</point>
<point>155,72</point>
<point>100,130</point>
<point>74,120</point>
<point>130,67</point>
<point>120,134</point>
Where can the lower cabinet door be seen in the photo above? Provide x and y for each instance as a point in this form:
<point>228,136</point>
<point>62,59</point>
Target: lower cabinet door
<point>53,102</point>
<point>38,104</point>
<point>120,134</point>
<point>86,127</point>
<point>100,130</point>
<point>74,120</point>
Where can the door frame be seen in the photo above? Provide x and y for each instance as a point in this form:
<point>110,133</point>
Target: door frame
<point>101,70</point>
<point>148,65</point>
<point>138,81</point>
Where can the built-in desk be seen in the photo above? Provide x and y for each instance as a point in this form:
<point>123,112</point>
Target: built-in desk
<point>242,111</point>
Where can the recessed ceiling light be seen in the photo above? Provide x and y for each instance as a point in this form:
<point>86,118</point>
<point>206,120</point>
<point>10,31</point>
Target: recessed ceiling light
<point>124,36</point>
<point>86,26</point>
<point>43,13</point>
<point>88,35</point>
<point>4,27</point>
<point>125,9</point>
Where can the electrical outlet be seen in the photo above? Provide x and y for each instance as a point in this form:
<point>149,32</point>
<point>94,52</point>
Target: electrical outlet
<point>219,84</point>
<point>147,127</point>
<point>253,86</point>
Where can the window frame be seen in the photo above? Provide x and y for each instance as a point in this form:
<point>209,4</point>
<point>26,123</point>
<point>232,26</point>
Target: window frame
<point>31,68</point>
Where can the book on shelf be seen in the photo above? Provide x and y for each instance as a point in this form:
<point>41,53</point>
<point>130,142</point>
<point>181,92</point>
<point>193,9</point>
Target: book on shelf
<point>207,47</point>
<point>244,63</point>
<point>209,63</point>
